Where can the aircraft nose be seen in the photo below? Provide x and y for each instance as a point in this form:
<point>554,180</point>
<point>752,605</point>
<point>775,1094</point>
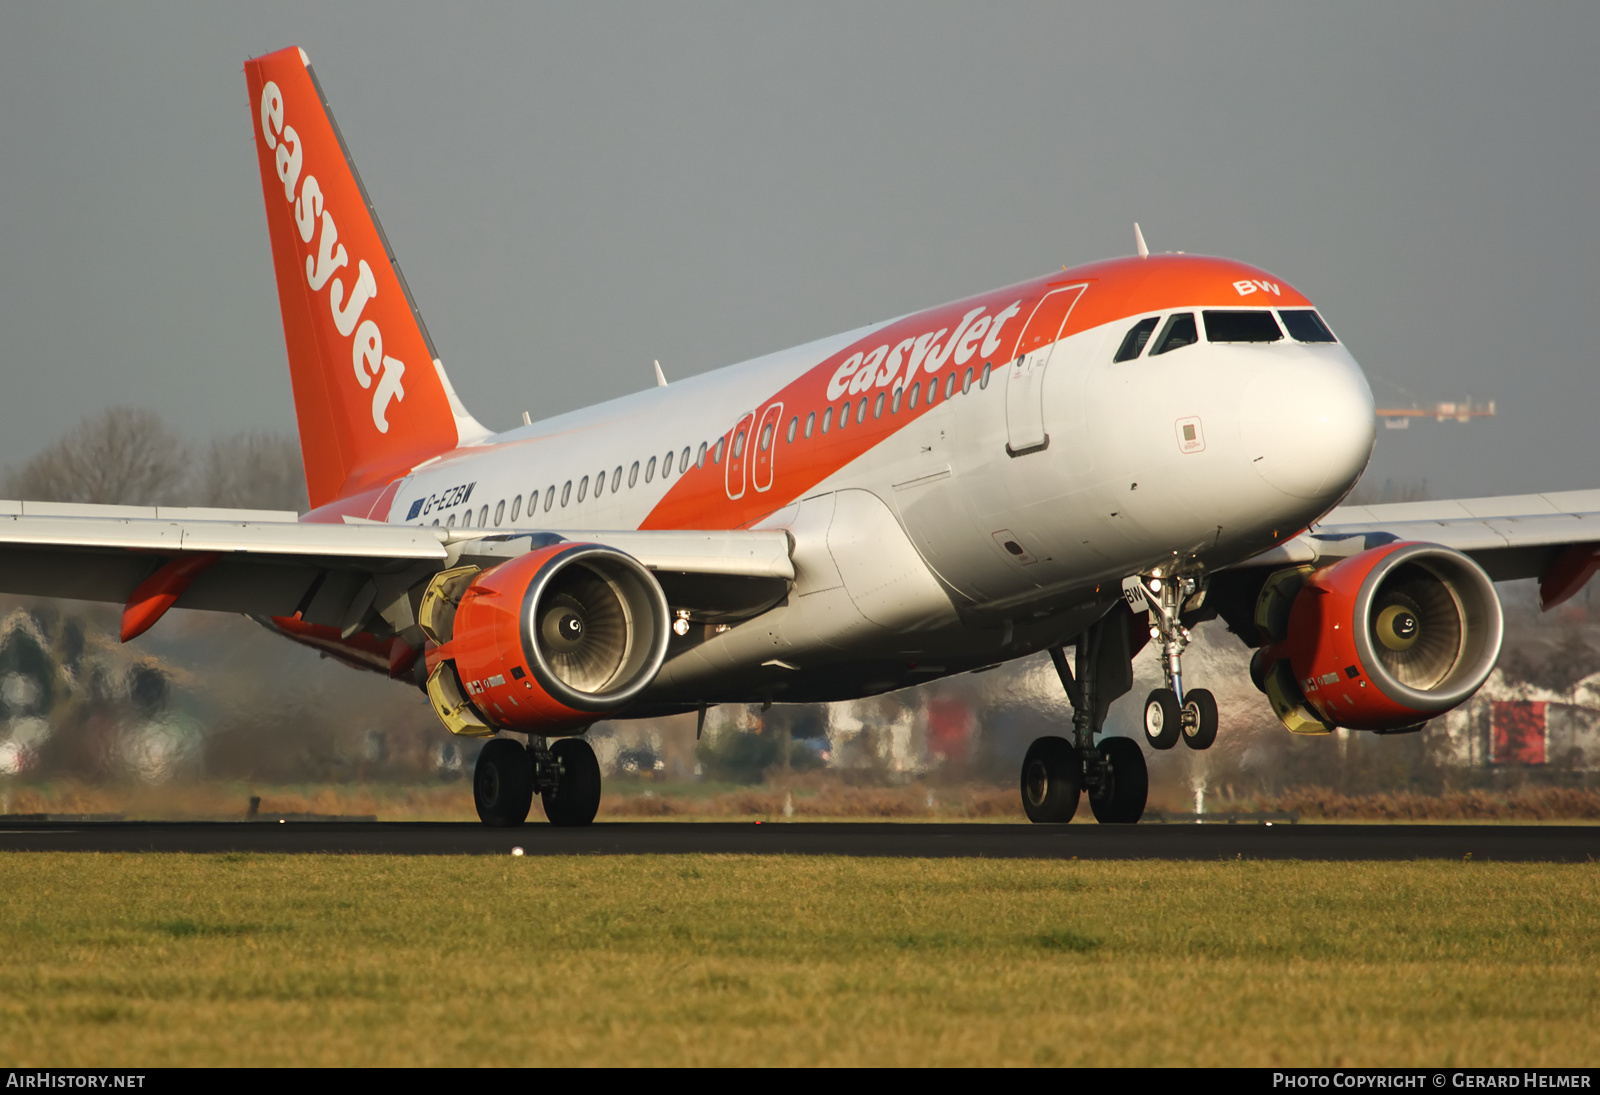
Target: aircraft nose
<point>1308,426</point>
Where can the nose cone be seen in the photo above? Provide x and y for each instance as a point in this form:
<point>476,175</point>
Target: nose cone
<point>1308,426</point>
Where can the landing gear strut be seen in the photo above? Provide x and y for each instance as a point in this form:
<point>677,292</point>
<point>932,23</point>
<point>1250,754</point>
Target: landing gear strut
<point>565,774</point>
<point>1171,713</point>
<point>1056,771</point>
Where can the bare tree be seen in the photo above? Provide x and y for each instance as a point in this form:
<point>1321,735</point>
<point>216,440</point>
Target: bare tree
<point>255,470</point>
<point>122,455</point>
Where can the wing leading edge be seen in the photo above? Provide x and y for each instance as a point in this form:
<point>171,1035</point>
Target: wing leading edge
<point>1552,537</point>
<point>352,577</point>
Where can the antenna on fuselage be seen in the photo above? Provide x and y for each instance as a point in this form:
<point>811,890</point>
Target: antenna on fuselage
<point>1138,241</point>
<point>661,377</point>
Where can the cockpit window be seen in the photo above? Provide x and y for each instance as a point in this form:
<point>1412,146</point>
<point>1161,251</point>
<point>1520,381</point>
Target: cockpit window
<point>1306,326</point>
<point>1178,333</point>
<point>1133,342</point>
<point>1242,327</point>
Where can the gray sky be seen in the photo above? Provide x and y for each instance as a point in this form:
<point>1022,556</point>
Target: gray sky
<point>574,190</point>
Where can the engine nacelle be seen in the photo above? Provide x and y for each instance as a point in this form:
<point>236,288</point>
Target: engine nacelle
<point>1386,639</point>
<point>546,642</point>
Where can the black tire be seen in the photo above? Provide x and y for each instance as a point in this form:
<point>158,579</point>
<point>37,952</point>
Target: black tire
<point>1163,722</point>
<point>1258,671</point>
<point>1120,798</point>
<point>502,784</point>
<point>576,797</point>
<point>1052,778</point>
<point>1200,719</point>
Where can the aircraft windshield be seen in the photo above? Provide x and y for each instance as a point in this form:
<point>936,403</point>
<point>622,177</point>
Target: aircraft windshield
<point>1306,326</point>
<point>1179,332</point>
<point>1242,327</point>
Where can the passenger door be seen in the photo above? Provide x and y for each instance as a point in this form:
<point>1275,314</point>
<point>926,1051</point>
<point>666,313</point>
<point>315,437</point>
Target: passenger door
<point>1025,428</point>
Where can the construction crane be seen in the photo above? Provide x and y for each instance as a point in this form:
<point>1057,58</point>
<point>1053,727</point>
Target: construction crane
<point>1398,418</point>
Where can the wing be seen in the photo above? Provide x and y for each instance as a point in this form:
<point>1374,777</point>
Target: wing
<point>355,577</point>
<point>1552,537</point>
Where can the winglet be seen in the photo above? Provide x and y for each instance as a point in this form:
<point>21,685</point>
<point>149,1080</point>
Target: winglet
<point>1138,241</point>
<point>661,378</point>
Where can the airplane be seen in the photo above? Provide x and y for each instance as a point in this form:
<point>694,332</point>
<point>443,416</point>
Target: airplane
<point>1098,458</point>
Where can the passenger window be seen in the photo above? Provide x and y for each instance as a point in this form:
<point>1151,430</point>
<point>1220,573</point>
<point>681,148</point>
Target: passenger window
<point>766,436</point>
<point>794,425</point>
<point>716,455</point>
<point>450,522</point>
<point>699,458</point>
<point>599,484</point>
<point>1306,326</point>
<point>933,391</point>
<point>811,421</point>
<point>983,381</point>
<point>583,488</point>
<point>499,512</point>
<point>466,519</point>
<point>911,400</point>
<point>877,406</point>
<point>844,416</point>
<point>861,409</point>
<point>1178,333</point>
<point>650,470</point>
<point>827,419</point>
<point>483,516</point>
<point>1241,327</point>
<point>950,385</point>
<point>966,381</point>
<point>616,479</point>
<point>633,472</point>
<point>1133,342</point>
<point>894,405</point>
<point>516,506</point>
<point>738,445</point>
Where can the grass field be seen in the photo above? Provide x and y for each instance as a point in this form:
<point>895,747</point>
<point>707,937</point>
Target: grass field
<point>811,797</point>
<point>261,960</point>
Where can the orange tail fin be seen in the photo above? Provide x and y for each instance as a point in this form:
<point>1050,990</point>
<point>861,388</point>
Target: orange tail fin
<point>371,396</point>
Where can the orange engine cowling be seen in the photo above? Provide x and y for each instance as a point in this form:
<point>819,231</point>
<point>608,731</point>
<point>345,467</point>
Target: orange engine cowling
<point>551,640</point>
<point>1392,637</point>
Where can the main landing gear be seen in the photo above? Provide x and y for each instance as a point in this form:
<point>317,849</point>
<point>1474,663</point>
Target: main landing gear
<point>1056,772</point>
<point>1171,713</point>
<point>565,774</point>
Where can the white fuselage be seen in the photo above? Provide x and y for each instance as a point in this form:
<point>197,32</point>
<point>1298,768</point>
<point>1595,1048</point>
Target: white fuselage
<point>940,548</point>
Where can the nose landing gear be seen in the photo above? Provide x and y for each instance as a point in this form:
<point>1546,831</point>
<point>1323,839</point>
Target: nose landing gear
<point>1171,713</point>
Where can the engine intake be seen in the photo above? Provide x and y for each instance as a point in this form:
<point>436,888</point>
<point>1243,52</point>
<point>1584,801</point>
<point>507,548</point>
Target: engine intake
<point>548,641</point>
<point>1387,639</point>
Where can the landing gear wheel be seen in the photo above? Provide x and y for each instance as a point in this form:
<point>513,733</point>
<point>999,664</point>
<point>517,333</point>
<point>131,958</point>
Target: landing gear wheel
<point>576,797</point>
<point>1258,671</point>
<point>1052,776</point>
<point>1199,719</point>
<point>1163,722</point>
<point>502,783</point>
<point>1124,783</point>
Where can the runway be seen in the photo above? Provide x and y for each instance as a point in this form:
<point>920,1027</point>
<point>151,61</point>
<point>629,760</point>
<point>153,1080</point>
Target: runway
<point>1530,843</point>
